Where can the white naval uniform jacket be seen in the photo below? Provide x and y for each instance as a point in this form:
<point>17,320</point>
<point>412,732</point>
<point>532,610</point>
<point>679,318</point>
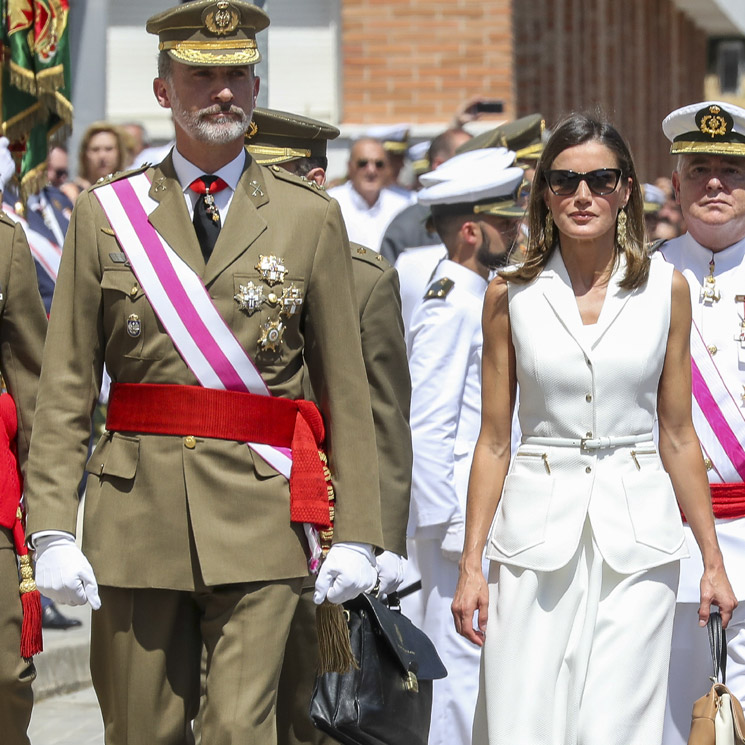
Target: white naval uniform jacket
<point>719,323</point>
<point>444,344</point>
<point>578,382</point>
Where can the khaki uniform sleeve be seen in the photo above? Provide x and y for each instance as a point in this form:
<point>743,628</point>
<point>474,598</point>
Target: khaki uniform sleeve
<point>22,330</point>
<point>70,380</point>
<point>384,352</point>
<point>337,373</point>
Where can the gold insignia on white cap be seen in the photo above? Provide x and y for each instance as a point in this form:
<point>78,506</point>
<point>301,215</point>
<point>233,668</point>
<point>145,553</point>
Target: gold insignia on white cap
<point>709,127</point>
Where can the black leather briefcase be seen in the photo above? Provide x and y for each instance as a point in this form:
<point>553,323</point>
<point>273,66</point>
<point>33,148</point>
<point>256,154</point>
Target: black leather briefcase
<point>388,700</point>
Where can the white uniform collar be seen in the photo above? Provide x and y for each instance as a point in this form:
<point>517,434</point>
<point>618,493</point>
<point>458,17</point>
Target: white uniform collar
<point>186,171</point>
<point>698,256</point>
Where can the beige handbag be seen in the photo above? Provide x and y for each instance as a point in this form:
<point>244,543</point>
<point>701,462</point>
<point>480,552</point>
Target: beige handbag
<point>717,717</point>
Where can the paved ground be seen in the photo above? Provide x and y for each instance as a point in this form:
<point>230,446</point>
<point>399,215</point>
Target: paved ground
<point>65,711</point>
<point>71,719</point>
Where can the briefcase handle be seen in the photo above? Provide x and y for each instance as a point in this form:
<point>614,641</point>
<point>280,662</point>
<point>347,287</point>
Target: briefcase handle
<point>718,646</point>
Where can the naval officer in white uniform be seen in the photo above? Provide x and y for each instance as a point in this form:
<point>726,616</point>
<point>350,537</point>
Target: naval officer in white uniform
<point>473,206</point>
<point>708,140</point>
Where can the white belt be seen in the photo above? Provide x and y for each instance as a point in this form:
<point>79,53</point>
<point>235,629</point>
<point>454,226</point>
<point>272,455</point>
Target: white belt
<point>588,443</point>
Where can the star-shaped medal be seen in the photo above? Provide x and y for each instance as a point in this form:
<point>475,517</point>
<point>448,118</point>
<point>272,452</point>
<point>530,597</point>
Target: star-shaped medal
<point>271,336</point>
<point>272,269</point>
<point>249,297</point>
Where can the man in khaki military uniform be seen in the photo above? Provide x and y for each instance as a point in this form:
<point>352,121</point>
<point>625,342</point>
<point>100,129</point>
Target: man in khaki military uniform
<point>22,328</point>
<point>187,527</point>
<point>299,145</point>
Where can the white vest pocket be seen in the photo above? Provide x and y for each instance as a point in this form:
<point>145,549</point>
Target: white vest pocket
<point>522,513</point>
<point>653,510</point>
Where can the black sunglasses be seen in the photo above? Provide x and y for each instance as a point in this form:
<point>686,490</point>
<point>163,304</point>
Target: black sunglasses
<point>601,181</point>
<point>362,163</point>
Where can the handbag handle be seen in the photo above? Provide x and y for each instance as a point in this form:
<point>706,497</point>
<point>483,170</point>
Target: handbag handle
<point>718,645</point>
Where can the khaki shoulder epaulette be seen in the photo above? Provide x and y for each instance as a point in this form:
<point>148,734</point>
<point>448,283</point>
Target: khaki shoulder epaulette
<point>439,289</point>
<point>4,218</point>
<point>119,175</point>
<point>369,256</point>
<point>656,245</point>
<point>292,178</point>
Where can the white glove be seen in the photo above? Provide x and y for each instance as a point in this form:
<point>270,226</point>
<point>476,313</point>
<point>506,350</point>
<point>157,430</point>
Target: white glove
<point>390,571</point>
<point>347,571</point>
<point>454,540</point>
<point>7,164</point>
<point>63,573</point>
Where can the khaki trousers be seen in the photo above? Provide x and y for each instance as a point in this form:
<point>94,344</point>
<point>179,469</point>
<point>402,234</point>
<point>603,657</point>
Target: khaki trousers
<point>16,674</point>
<point>294,725</point>
<point>146,646</point>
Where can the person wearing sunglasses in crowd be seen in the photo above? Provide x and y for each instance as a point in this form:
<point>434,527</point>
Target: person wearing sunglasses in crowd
<point>587,535</point>
<point>367,204</point>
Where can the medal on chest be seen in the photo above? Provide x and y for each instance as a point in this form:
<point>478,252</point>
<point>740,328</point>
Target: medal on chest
<point>709,292</point>
<point>740,334</point>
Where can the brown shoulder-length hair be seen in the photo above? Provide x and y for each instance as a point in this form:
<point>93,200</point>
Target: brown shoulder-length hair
<point>576,129</point>
<point>97,128</point>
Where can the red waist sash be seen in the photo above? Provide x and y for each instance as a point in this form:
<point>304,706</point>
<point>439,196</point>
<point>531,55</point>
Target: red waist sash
<point>728,500</point>
<point>232,415</point>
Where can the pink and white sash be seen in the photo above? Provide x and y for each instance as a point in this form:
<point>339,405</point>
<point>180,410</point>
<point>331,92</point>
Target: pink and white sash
<point>47,254</point>
<point>184,306</point>
<point>717,417</point>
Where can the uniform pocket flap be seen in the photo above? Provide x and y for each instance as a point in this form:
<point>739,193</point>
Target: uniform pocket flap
<point>262,468</point>
<point>116,455</point>
<point>522,513</point>
<point>123,281</point>
<point>653,509</point>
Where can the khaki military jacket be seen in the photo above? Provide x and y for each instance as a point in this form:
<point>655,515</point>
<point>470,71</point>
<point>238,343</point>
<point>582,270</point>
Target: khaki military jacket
<point>23,325</point>
<point>384,352</point>
<point>173,512</point>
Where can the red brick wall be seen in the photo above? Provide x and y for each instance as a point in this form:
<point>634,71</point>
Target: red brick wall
<point>417,60</point>
<point>638,60</point>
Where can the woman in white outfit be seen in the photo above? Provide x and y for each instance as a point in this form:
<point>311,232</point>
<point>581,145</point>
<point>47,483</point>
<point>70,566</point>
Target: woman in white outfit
<point>586,537</point>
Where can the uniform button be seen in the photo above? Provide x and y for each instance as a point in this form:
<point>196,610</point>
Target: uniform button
<point>709,465</point>
<point>712,349</point>
<point>133,291</point>
<point>588,469</point>
<point>588,397</point>
<point>190,442</point>
<point>588,434</point>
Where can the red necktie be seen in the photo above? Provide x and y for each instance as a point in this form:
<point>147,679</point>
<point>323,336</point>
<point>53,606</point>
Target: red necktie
<point>206,215</point>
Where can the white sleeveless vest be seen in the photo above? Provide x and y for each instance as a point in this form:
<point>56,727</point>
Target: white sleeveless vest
<point>588,382</point>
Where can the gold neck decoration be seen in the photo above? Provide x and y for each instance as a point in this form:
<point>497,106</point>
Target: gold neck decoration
<point>709,292</point>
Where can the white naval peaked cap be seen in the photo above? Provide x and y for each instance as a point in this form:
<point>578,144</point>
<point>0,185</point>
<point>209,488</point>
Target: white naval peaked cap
<point>654,198</point>
<point>485,179</point>
<point>496,158</point>
<point>395,137</point>
<point>712,127</point>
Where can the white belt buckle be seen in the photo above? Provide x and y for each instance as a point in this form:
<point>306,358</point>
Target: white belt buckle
<point>584,443</point>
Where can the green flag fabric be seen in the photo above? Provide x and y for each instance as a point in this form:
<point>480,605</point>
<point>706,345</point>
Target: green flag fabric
<point>35,82</point>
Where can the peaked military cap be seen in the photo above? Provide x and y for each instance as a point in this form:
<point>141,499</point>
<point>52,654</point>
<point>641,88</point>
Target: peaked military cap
<point>210,32</point>
<point>280,137</point>
<point>711,127</point>
<point>482,182</point>
<point>394,137</point>
<point>524,136</point>
<point>654,198</point>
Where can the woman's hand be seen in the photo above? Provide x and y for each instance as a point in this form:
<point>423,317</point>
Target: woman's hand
<point>471,594</point>
<point>716,590</point>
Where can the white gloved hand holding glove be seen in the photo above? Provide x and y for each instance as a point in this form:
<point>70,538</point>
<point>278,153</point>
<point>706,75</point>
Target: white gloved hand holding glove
<point>7,164</point>
<point>454,540</point>
<point>347,571</point>
<point>63,573</point>
<point>390,571</point>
